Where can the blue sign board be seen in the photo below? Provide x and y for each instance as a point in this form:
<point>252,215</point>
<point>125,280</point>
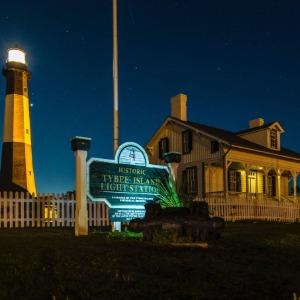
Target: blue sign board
<point>126,183</point>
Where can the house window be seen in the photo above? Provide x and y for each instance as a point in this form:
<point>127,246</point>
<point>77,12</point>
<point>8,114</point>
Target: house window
<point>187,141</point>
<point>214,146</point>
<point>189,180</point>
<point>234,181</point>
<point>163,147</point>
<point>273,138</point>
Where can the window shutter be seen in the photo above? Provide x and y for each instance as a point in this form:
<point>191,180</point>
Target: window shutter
<point>238,182</point>
<point>263,183</point>
<point>214,146</point>
<point>160,149</point>
<point>184,181</point>
<point>163,147</point>
<point>187,141</point>
<point>190,181</point>
<point>167,145</point>
<point>273,186</point>
<point>229,180</point>
<point>196,181</point>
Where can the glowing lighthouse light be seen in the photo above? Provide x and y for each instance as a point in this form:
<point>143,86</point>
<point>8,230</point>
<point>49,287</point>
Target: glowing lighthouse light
<point>16,55</point>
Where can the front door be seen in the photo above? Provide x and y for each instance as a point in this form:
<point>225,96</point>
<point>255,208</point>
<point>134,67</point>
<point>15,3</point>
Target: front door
<point>252,182</point>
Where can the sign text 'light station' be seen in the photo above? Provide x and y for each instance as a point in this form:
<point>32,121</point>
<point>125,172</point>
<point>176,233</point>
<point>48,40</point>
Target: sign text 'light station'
<point>126,183</point>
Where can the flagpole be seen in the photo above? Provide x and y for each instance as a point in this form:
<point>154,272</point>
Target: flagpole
<point>115,77</point>
<point>116,226</point>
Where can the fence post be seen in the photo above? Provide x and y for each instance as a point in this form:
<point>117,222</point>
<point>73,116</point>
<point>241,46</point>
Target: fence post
<point>16,208</point>
<point>80,146</point>
<point>21,201</point>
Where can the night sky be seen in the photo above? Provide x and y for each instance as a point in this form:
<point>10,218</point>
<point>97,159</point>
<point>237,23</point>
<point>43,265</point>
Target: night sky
<point>236,60</point>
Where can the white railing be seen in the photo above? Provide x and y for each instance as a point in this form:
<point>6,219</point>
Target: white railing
<point>289,198</point>
<point>241,196</point>
<point>47,210</point>
<point>263,210</point>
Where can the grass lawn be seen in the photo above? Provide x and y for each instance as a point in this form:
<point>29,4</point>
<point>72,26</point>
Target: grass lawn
<point>251,261</point>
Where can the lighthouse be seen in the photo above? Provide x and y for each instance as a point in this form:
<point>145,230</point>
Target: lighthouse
<point>17,172</point>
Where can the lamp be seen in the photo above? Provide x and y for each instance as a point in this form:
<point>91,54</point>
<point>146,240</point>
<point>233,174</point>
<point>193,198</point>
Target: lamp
<point>16,55</point>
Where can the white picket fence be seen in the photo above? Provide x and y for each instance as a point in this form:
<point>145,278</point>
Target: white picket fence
<point>263,210</point>
<point>47,210</point>
<point>58,210</point>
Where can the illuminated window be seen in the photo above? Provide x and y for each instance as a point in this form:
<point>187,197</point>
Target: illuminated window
<point>163,147</point>
<point>214,146</point>
<point>50,212</point>
<point>187,141</point>
<point>189,180</point>
<point>234,181</point>
<point>273,138</point>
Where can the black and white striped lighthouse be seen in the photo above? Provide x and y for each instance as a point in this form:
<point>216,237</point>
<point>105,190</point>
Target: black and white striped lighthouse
<point>17,172</point>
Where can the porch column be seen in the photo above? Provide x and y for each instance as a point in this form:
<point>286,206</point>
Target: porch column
<point>278,185</point>
<point>247,181</point>
<point>207,177</point>
<point>266,183</point>
<point>295,175</point>
<point>225,179</point>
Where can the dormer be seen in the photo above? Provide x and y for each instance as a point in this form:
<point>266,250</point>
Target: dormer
<point>267,135</point>
<point>274,136</point>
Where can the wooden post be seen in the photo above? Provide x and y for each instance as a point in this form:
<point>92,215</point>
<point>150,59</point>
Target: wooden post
<point>278,188</point>
<point>225,179</point>
<point>295,175</point>
<point>247,182</point>
<point>266,182</point>
<point>80,146</point>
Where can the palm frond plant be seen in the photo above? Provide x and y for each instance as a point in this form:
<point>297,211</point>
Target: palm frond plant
<point>168,196</point>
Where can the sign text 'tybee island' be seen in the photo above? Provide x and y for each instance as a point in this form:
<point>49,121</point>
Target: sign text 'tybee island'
<point>126,183</point>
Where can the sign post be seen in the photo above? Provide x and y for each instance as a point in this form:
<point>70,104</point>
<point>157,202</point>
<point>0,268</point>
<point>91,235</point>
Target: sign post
<point>126,183</point>
<point>80,146</point>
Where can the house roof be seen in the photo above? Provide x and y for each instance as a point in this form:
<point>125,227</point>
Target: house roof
<point>235,140</point>
<point>256,128</point>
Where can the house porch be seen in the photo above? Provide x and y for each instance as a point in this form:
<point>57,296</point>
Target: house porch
<point>245,181</point>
